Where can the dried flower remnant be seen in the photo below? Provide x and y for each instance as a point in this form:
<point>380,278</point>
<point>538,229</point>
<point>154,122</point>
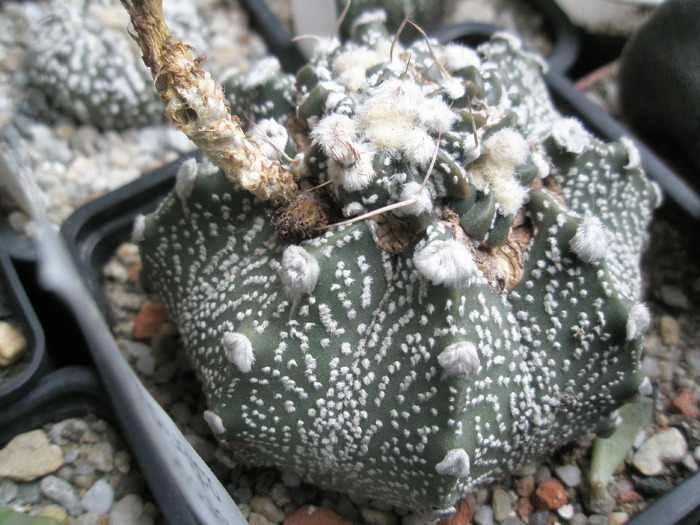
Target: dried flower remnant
<point>196,105</point>
<point>459,319</point>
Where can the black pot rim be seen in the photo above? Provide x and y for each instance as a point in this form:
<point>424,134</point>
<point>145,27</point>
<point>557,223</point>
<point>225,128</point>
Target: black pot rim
<point>32,329</point>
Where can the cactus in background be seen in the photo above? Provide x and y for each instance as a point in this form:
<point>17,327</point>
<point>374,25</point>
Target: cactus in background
<point>489,314</point>
<point>86,65</point>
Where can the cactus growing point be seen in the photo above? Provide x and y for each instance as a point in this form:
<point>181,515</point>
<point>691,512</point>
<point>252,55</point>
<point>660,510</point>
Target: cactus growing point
<point>492,315</point>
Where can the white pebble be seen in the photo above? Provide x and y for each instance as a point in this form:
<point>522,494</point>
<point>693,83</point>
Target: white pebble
<point>126,511</point>
<point>570,475</point>
<point>99,498</point>
<point>666,446</point>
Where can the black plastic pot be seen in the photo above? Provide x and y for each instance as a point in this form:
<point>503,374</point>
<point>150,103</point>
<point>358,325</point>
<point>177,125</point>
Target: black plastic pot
<point>34,363</point>
<point>67,392</point>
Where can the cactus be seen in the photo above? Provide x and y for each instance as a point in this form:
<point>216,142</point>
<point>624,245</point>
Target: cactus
<point>88,67</point>
<point>454,290</point>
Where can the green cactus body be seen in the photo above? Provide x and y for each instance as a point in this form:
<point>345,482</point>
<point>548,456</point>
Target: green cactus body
<point>90,69</point>
<point>414,356</point>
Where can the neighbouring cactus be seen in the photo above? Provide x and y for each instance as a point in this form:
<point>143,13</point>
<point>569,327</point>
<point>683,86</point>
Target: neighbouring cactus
<point>89,68</point>
<point>414,355</point>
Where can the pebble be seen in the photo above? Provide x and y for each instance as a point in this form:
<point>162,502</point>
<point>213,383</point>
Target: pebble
<point>484,515</point>
<point>126,511</point>
<point>618,518</point>
<point>570,475</point>
<point>63,493</point>
<point>101,456</point>
<point>99,498</point>
<point>8,491</point>
<point>258,519</point>
<point>550,495</point>
<point>670,330</point>
<point>692,357</point>
<point>566,511</point>
<point>55,512</point>
<point>378,517</point>
<point>149,320</point>
<point>666,446</point>
<point>684,404</point>
<point>500,503</point>
<point>696,453</point>
<point>310,515</point>
<point>525,486</point>
<point>29,456</point>
<point>265,506</point>
<point>674,296</point>
<point>462,516</point>
<point>12,344</point>
<point>543,474</point>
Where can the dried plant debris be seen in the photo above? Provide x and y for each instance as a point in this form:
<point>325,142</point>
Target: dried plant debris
<point>494,316</point>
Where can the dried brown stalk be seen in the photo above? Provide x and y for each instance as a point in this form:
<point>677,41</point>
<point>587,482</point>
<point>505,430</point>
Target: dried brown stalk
<point>196,105</point>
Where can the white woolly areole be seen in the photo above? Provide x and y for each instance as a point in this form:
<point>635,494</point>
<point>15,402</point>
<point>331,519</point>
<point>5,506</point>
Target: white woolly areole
<point>390,112</point>
<point>510,195</point>
<point>570,134</point>
<point>423,204</point>
<point>356,170</point>
<point>271,137</point>
<point>238,350</point>
<point>418,146</point>
<point>436,115</point>
<point>214,421</point>
<point>299,271</point>
<point>459,359</point>
<point>138,232</point>
<point>638,321</point>
<point>184,181</point>
<point>454,57</point>
<point>261,71</point>
<point>541,164</point>
<point>590,242</point>
<point>634,160</point>
<point>447,262</point>
<point>507,146</point>
<point>332,132</point>
<point>456,463</point>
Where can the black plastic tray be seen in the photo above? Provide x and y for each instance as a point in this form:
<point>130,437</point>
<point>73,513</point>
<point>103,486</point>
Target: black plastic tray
<point>67,392</point>
<point>28,322</point>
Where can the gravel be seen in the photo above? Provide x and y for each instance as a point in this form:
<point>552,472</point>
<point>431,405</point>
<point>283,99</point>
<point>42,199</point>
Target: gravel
<point>98,481</point>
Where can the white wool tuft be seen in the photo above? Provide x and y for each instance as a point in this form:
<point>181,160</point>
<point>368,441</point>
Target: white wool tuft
<point>214,421</point>
<point>424,203</point>
<point>238,350</point>
<point>455,463</point>
<point>185,178</point>
<point>638,321</point>
<point>455,57</point>
<point>356,170</point>
<point>507,146</point>
<point>418,146</point>
<point>541,164</point>
<point>261,71</point>
<point>299,271</point>
<point>510,195</point>
<point>445,262</point>
<point>436,115</point>
<point>634,160</point>
<point>332,130</point>
<point>138,232</point>
<point>570,134</point>
<point>590,242</point>
<point>459,359</point>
